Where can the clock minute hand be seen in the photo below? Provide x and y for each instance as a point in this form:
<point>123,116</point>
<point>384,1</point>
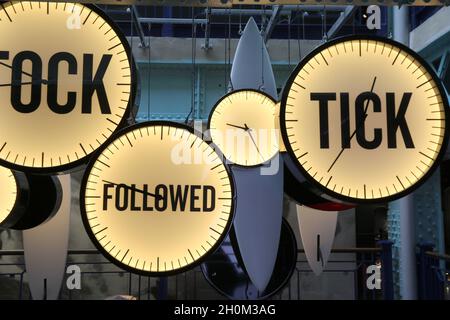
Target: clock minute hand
<point>357,128</point>
<point>253,140</point>
<point>11,84</point>
<point>10,67</point>
<point>43,81</point>
<point>133,189</point>
<point>239,127</point>
<point>24,83</point>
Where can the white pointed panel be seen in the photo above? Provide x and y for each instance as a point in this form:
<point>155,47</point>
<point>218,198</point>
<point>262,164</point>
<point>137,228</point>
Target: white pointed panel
<point>259,201</point>
<point>252,68</point>
<point>45,249</point>
<point>317,230</point>
<point>257,221</point>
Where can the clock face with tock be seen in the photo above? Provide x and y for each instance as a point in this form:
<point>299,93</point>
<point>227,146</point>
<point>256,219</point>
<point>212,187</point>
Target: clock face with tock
<point>61,101</point>
<point>365,119</point>
<point>242,125</point>
<point>157,199</point>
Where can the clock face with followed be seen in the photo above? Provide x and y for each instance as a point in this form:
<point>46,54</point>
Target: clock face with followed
<point>157,199</point>
<point>242,125</point>
<point>364,119</point>
<point>66,84</point>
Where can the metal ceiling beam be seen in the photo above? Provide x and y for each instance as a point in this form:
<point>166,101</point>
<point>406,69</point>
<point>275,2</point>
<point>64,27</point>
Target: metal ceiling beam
<point>345,16</point>
<point>173,20</point>
<point>276,12</point>
<point>287,9</point>
<point>231,3</point>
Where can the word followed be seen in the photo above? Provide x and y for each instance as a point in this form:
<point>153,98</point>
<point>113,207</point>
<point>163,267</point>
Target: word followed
<point>175,198</point>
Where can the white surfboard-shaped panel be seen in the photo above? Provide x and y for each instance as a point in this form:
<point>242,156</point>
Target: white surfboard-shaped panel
<point>251,67</point>
<point>257,222</point>
<point>259,201</point>
<point>46,247</point>
<point>317,230</point>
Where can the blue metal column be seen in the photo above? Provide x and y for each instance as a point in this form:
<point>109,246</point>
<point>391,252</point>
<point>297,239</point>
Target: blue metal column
<point>163,288</point>
<point>424,270</point>
<point>387,280</point>
<point>167,28</point>
<point>407,256</point>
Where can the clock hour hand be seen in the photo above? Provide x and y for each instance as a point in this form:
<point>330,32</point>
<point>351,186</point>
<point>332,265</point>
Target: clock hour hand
<point>358,128</point>
<point>239,127</point>
<point>133,189</point>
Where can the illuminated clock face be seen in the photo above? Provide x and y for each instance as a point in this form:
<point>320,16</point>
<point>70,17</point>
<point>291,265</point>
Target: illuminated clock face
<point>364,119</point>
<point>8,196</point>
<point>242,125</point>
<point>157,199</point>
<point>66,83</point>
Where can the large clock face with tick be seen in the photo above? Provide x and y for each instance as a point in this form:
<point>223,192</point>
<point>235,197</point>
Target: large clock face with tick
<point>365,119</point>
<point>66,84</point>
<point>242,125</point>
<point>157,199</point>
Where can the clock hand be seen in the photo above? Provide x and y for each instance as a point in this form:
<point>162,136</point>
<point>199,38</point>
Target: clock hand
<point>24,83</point>
<point>253,140</point>
<point>239,127</point>
<point>11,84</point>
<point>359,127</point>
<point>133,189</point>
<point>8,66</point>
<point>24,72</point>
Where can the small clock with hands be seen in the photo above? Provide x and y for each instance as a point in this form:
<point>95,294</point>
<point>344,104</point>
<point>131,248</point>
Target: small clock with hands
<point>242,125</point>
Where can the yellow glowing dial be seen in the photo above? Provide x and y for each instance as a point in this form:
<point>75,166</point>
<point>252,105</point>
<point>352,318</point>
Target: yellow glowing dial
<point>8,196</point>
<point>242,125</point>
<point>157,199</point>
<point>364,118</point>
<point>66,83</point>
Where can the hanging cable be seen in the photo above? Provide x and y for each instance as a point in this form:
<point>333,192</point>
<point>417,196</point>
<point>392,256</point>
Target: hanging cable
<point>289,41</point>
<point>325,35</point>
<point>149,72</point>
<point>193,71</point>
<point>225,82</point>
<point>303,24</point>
<point>298,36</point>
<point>261,87</point>
<point>322,26</point>
<point>240,20</point>
<point>132,116</point>
<point>229,49</point>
